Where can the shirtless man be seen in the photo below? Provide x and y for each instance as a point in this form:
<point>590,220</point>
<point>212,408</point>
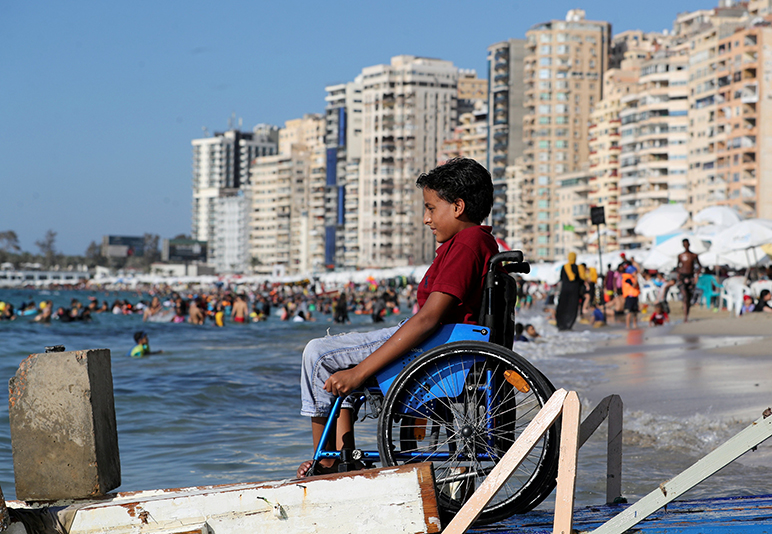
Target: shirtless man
<point>688,268</point>
<point>240,310</point>
<point>196,312</point>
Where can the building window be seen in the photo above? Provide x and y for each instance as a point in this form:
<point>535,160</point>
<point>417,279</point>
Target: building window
<point>545,74</point>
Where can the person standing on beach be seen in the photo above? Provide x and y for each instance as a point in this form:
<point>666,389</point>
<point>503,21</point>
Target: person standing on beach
<point>571,284</point>
<point>688,268</point>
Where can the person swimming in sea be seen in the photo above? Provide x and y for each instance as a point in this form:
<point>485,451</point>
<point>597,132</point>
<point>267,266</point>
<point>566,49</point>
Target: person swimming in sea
<point>142,347</point>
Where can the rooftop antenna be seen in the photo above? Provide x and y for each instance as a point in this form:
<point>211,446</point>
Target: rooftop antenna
<point>230,121</point>
<point>241,121</point>
<point>206,131</point>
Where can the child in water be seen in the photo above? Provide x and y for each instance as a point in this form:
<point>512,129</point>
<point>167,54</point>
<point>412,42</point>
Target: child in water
<point>142,347</point>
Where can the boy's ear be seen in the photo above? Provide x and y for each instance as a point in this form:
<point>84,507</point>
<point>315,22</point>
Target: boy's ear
<point>459,206</point>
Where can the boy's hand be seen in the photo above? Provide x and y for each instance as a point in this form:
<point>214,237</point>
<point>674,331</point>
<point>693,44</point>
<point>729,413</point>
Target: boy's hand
<point>343,382</point>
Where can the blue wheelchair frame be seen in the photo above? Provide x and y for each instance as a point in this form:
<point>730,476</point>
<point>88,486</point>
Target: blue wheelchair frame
<point>454,381</point>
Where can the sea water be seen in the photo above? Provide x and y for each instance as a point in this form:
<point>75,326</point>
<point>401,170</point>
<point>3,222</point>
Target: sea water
<point>220,405</point>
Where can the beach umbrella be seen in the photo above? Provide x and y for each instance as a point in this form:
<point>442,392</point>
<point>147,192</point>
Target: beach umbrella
<point>746,234</point>
<point>708,232</point>
<point>718,216</point>
<point>736,259</point>
<point>659,261</point>
<point>665,219</point>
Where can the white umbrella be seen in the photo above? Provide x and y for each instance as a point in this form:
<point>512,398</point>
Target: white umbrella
<point>663,220</point>
<point>743,235</point>
<point>736,259</point>
<point>718,215</point>
<point>659,261</point>
<point>708,232</point>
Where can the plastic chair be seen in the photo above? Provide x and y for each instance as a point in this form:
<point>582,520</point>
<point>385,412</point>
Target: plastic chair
<point>706,283</point>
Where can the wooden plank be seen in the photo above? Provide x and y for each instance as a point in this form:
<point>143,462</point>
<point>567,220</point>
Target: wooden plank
<point>614,450</point>
<point>386,500</point>
<point>593,420</point>
<point>569,447</point>
<point>611,408</point>
<point>508,464</point>
<point>757,432</point>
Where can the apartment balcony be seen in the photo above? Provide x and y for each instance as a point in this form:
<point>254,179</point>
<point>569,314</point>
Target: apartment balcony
<point>749,94</point>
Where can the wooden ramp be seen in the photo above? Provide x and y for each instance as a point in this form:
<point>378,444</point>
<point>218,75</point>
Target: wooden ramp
<point>731,515</point>
<point>387,500</point>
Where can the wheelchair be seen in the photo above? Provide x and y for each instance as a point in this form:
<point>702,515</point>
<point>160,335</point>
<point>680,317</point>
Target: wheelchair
<point>460,400</point>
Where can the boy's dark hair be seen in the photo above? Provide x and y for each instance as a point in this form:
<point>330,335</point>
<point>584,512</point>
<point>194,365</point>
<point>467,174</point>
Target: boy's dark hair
<point>465,179</point>
<point>139,335</point>
<point>519,329</point>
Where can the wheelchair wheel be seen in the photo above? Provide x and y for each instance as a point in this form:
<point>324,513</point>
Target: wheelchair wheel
<point>461,406</point>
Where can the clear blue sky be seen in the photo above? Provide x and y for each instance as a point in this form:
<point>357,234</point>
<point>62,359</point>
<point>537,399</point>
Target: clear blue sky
<point>99,100</point>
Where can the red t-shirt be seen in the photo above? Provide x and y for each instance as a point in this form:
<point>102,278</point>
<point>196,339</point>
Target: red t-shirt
<point>459,270</point>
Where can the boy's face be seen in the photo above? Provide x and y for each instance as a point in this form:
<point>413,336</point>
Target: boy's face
<point>441,216</point>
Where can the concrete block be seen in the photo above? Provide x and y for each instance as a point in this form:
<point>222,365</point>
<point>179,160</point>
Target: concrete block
<point>63,430</point>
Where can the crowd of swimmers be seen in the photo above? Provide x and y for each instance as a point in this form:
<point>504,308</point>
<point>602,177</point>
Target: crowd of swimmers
<point>295,303</point>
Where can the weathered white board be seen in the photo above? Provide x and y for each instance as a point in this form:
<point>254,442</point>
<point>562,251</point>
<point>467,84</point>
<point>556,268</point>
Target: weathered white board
<point>387,500</point>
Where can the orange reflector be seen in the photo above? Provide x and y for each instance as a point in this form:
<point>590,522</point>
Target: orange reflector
<point>517,381</point>
<point>419,432</point>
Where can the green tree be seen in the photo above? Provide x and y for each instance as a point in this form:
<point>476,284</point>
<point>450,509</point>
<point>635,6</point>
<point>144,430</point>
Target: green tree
<point>9,241</point>
<point>47,247</point>
<point>93,256</point>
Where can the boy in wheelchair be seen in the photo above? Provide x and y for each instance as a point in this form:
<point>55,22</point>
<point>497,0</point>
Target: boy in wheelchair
<point>457,198</point>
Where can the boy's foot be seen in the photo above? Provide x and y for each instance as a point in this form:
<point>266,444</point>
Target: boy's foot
<point>323,469</point>
<point>303,469</point>
<point>320,469</point>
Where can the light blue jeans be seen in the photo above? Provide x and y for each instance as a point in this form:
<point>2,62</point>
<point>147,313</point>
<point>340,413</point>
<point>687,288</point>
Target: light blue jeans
<point>327,355</point>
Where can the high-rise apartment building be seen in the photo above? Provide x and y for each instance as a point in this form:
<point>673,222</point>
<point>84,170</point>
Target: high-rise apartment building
<point>230,242</point>
<point>221,165</point>
<point>628,50</point>
<point>470,136</point>
<point>288,201</point>
<point>572,208</point>
<point>505,129</point>
<point>563,73</point>
<point>744,118</point>
<point>654,136</point>
<point>343,141</point>
<point>409,109</point>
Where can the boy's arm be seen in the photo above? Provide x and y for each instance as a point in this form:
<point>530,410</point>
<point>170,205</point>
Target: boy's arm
<point>414,331</point>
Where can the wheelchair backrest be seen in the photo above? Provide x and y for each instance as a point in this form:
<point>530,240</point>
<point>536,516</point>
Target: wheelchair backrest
<point>500,296</point>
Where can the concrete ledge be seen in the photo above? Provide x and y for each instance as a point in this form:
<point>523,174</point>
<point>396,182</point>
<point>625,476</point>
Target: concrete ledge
<point>63,429</point>
<point>387,500</point>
